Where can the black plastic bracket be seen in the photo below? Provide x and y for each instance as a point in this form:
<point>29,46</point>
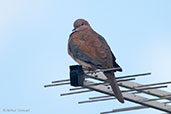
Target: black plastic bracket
<point>77,76</point>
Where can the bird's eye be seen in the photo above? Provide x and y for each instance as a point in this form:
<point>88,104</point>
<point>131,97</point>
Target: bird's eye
<point>82,23</point>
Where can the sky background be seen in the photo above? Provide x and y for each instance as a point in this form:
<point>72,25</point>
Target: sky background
<point>33,49</point>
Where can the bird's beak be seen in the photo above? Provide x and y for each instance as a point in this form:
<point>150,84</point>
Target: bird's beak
<point>73,29</point>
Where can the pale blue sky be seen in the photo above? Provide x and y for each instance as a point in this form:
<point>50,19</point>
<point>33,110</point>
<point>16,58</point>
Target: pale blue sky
<point>33,49</point>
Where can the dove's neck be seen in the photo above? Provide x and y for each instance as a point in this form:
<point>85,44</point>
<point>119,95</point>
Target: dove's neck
<point>82,28</point>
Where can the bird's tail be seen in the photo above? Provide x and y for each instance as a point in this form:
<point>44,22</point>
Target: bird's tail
<point>114,85</point>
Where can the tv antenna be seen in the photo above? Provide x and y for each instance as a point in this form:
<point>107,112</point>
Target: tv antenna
<point>80,80</point>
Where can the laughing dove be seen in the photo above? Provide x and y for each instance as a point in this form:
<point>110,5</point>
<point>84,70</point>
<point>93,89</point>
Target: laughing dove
<point>91,50</point>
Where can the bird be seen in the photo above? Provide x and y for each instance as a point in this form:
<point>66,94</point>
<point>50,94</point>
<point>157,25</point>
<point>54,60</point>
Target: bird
<point>91,50</point>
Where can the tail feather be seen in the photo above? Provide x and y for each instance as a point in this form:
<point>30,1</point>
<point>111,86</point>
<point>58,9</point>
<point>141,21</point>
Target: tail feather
<point>114,85</point>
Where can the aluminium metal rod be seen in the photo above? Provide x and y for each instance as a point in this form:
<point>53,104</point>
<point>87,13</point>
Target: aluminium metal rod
<point>141,90</point>
<point>157,87</point>
<point>161,83</point>
<point>160,98</point>
<point>64,94</point>
<point>99,97</point>
<point>72,89</point>
<point>125,80</point>
<point>51,85</point>
<point>134,75</point>
<point>61,81</point>
<point>90,101</point>
<point>96,84</point>
<point>65,80</point>
<point>125,109</point>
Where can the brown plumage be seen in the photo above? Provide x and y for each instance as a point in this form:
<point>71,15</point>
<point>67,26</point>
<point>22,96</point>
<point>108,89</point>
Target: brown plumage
<point>90,50</point>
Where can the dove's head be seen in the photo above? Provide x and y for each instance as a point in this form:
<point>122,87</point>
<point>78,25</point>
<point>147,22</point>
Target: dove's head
<point>81,24</point>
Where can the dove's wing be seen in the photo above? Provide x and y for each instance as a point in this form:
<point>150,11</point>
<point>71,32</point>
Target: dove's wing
<point>91,48</point>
